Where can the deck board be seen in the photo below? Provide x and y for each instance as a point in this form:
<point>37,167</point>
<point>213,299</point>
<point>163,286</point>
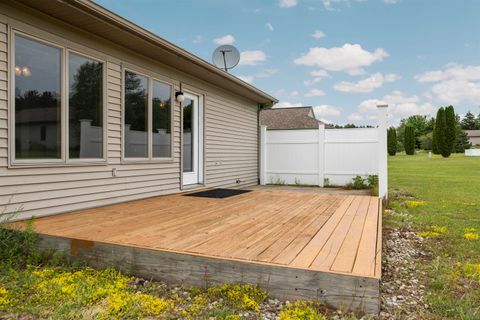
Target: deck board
<point>304,230</point>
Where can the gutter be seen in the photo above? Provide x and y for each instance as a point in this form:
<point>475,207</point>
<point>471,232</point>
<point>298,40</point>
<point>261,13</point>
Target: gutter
<point>104,14</point>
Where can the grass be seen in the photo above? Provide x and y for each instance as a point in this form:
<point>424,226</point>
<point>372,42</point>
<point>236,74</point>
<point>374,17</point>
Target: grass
<point>442,200</point>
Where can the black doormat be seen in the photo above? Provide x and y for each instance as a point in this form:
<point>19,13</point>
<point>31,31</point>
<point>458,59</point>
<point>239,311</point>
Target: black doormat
<point>217,193</point>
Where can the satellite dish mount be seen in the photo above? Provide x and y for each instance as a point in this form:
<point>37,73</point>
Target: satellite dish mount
<point>226,57</point>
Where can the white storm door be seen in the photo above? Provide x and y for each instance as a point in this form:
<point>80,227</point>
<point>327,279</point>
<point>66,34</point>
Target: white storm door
<point>192,139</point>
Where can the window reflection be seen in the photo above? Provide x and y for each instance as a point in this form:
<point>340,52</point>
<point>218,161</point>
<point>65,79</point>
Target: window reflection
<point>188,110</point>
<point>85,108</point>
<point>136,115</point>
<point>37,100</point>
<point>161,131</point>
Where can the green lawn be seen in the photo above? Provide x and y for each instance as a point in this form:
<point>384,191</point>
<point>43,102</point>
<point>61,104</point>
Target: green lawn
<point>448,195</point>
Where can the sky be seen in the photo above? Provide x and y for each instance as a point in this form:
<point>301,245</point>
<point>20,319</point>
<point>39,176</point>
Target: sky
<point>343,57</point>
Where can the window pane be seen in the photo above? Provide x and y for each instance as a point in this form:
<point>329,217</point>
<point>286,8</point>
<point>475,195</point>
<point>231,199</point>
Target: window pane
<point>85,107</point>
<point>161,130</point>
<point>136,125</point>
<point>37,100</point>
<point>188,110</point>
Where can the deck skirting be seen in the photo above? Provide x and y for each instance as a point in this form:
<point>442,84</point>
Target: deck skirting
<point>340,291</point>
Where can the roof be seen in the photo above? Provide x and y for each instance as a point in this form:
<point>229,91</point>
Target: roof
<point>289,118</point>
<point>93,18</point>
<point>473,133</point>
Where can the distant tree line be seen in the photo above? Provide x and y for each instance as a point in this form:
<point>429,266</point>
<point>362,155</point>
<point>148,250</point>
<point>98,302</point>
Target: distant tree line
<point>444,134</point>
<point>347,126</point>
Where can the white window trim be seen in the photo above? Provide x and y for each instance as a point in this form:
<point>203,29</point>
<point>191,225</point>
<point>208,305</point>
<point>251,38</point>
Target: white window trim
<point>64,160</point>
<point>150,79</point>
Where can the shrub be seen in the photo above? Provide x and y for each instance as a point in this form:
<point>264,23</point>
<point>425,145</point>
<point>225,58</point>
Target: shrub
<point>451,128</point>
<point>392,141</point>
<point>301,310</point>
<point>409,140</point>
<point>462,141</point>
<point>426,141</point>
<point>440,134</point>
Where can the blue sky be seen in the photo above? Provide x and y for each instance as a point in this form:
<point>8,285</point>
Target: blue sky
<point>341,56</point>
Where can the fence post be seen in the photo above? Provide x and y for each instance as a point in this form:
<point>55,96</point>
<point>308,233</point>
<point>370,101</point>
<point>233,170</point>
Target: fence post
<point>382,152</point>
<point>321,154</point>
<point>263,155</point>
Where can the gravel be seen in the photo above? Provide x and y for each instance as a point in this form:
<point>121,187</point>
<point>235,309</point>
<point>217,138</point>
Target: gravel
<point>402,289</point>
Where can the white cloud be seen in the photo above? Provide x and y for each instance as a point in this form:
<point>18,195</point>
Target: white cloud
<point>287,3</point>
<point>391,1</point>
<point>454,84</point>
<point>325,110</point>
<point>294,94</point>
<point>455,91</point>
<point>247,79</point>
<point>355,117</point>
<point>399,106</point>
<point>317,34</point>
<point>197,39</point>
<point>269,26</point>
<point>252,58</point>
<point>369,84</point>
<point>226,39</point>
<point>285,104</point>
<point>315,93</point>
<point>319,73</point>
<point>266,73</point>
<point>350,58</point>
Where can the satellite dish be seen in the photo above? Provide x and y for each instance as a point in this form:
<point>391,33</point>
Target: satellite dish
<point>226,57</point>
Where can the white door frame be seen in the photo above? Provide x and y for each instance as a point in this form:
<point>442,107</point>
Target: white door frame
<point>196,175</point>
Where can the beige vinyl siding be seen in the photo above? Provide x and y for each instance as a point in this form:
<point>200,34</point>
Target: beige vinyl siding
<point>230,129</point>
<point>3,96</point>
<point>231,142</point>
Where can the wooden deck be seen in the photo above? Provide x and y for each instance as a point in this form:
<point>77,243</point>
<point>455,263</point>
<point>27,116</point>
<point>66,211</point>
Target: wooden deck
<point>331,240</point>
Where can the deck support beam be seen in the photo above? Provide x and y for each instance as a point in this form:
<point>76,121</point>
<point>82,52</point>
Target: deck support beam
<point>344,292</point>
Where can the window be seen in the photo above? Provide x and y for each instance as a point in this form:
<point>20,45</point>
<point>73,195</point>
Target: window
<point>161,128</point>
<point>85,108</point>
<point>147,125</point>
<point>47,127</point>
<point>37,100</point>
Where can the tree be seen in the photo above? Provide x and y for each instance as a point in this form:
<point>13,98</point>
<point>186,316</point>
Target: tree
<point>469,122</point>
<point>426,141</point>
<point>392,141</point>
<point>434,142</point>
<point>451,121</point>
<point>409,140</point>
<point>462,141</point>
<point>419,123</point>
<point>440,134</point>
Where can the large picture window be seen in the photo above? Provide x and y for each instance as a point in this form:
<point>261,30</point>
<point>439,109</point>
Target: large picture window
<point>37,100</point>
<point>147,120</point>
<point>47,127</point>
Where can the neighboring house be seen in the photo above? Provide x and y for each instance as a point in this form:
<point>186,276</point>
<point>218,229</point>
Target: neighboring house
<point>474,137</point>
<point>289,118</point>
<point>89,113</point>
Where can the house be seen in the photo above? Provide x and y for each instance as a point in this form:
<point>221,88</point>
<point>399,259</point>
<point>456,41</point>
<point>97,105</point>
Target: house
<point>95,110</point>
<point>473,137</point>
<point>289,118</point>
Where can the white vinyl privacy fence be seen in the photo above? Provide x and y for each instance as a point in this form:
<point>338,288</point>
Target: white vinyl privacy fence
<point>324,156</point>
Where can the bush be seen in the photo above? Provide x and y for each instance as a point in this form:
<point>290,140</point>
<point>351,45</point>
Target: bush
<point>392,141</point>
<point>426,141</point>
<point>441,135</point>
<point>409,140</point>
<point>451,129</point>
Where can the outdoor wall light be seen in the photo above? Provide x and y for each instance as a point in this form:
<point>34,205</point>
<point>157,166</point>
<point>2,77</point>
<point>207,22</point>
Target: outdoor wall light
<point>179,96</point>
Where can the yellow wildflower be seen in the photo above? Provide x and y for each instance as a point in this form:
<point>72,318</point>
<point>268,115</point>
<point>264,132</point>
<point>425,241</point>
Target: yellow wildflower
<point>471,236</point>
